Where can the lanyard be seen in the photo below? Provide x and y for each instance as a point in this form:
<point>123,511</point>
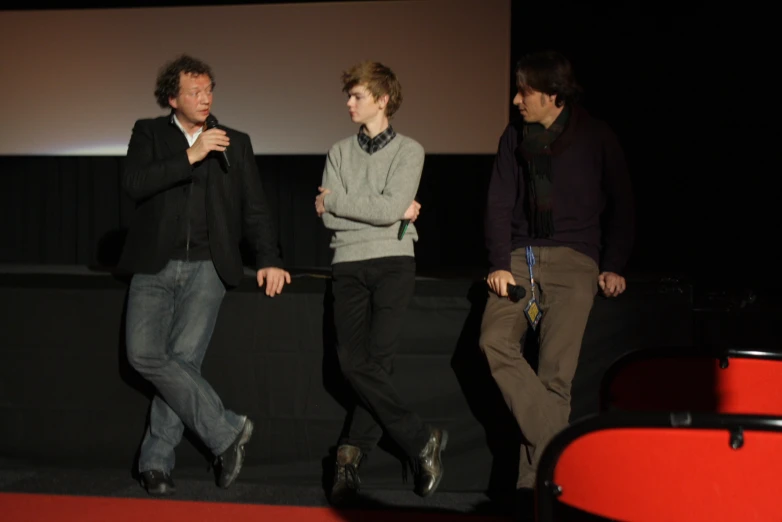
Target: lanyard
<point>530,264</point>
<point>532,311</point>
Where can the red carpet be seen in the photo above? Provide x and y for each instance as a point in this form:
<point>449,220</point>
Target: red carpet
<point>24,507</point>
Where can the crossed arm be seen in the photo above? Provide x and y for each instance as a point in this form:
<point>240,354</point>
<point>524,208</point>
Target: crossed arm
<point>341,211</point>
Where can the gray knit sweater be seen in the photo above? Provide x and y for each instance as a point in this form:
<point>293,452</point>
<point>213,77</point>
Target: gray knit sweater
<point>369,195</point>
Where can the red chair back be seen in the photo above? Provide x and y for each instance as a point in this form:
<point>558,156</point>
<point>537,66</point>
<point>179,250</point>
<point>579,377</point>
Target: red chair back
<point>645,468</point>
<point>687,380</point>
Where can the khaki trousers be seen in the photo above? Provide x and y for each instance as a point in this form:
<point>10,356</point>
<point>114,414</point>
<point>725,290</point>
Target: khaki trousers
<point>565,287</point>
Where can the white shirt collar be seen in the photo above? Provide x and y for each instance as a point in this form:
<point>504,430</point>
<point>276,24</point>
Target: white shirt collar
<point>190,139</point>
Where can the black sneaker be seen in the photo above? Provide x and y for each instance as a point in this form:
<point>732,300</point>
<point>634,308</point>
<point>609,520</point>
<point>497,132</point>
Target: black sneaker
<point>157,483</point>
<point>230,462</point>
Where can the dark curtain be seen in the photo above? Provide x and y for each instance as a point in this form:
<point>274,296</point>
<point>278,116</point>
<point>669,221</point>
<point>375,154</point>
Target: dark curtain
<point>71,210</point>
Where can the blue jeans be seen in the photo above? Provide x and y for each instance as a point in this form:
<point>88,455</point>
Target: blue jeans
<point>170,319</point>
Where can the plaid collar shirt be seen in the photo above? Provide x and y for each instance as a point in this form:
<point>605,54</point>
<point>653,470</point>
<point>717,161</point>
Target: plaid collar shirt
<point>372,145</point>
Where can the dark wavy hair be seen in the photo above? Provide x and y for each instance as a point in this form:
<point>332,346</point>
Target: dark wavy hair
<point>167,84</point>
<point>548,72</point>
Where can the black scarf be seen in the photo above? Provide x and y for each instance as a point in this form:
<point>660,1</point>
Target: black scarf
<point>535,147</point>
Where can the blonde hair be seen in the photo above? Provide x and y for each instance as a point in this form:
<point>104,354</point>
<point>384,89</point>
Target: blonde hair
<point>378,79</point>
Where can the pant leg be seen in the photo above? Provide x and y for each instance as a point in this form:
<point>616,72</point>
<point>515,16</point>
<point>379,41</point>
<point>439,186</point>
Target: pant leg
<point>502,328</point>
<point>187,297</point>
<point>391,283</point>
<point>150,313</point>
<point>352,317</point>
<point>568,282</point>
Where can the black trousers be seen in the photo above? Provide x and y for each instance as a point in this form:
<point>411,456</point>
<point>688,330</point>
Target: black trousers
<point>370,301</point>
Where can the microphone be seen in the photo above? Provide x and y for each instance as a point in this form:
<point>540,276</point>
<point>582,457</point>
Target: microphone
<point>402,229</point>
<point>516,292</point>
<point>211,123</point>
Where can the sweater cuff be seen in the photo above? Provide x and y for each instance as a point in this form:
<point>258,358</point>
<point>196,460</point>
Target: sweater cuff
<point>331,202</point>
<point>500,263</point>
<point>610,266</point>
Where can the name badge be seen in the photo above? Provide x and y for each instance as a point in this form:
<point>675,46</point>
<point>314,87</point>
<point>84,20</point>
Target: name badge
<point>533,313</point>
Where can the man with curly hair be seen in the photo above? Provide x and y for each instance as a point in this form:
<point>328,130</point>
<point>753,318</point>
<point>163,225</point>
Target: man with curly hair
<point>196,186</point>
<point>367,200</point>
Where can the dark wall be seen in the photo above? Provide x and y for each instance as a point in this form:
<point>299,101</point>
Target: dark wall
<point>666,81</point>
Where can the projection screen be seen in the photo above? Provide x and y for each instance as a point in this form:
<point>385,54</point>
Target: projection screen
<point>74,81</point>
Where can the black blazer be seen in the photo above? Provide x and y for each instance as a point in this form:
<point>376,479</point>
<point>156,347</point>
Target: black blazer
<point>155,176</point>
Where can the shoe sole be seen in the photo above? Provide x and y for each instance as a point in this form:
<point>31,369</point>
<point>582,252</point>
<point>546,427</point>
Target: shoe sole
<point>247,433</point>
<point>165,491</point>
<point>345,499</point>
<point>443,444</point>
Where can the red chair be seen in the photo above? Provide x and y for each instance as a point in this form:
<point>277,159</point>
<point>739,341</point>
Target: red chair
<point>653,467</point>
<point>697,380</point>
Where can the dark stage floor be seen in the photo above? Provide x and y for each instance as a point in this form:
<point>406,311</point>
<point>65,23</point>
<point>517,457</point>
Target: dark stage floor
<point>256,485</point>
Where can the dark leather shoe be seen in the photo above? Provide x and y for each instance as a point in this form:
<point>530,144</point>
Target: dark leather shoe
<point>346,480</point>
<point>230,462</point>
<point>157,483</point>
<point>430,464</point>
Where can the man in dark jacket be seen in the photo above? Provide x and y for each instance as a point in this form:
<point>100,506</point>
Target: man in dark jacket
<point>196,187</point>
<point>559,224</point>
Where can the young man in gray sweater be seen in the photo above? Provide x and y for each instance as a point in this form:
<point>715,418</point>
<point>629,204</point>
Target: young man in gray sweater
<point>367,201</point>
